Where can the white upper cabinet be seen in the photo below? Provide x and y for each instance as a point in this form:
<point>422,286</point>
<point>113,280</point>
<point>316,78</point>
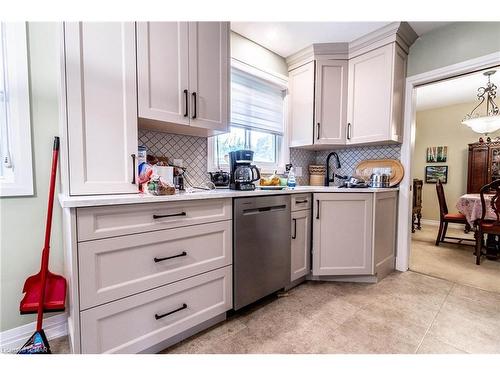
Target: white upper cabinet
<point>301,105</point>
<point>376,90</point>
<point>183,76</point>
<point>209,74</point>
<point>330,102</point>
<point>162,58</point>
<point>101,107</point>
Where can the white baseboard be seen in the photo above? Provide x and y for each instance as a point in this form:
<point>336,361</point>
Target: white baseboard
<point>436,223</point>
<point>13,339</point>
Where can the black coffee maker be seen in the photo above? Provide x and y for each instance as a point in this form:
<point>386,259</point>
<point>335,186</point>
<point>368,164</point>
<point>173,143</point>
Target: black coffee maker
<point>242,170</point>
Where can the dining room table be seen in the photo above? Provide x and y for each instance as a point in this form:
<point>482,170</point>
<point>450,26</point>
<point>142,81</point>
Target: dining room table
<point>471,207</point>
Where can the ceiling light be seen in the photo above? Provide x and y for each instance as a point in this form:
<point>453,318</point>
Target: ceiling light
<point>489,121</point>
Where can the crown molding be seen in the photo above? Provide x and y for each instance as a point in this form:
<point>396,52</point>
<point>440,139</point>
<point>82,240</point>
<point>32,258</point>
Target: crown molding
<point>395,32</point>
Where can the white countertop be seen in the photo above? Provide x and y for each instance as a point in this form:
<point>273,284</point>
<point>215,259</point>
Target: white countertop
<point>107,200</point>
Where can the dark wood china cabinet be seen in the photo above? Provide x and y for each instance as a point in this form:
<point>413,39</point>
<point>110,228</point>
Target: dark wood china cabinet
<point>484,165</point>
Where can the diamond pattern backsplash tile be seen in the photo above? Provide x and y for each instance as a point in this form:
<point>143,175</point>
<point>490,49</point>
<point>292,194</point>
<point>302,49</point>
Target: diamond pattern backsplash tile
<point>192,151</point>
<point>350,157</point>
<point>302,158</point>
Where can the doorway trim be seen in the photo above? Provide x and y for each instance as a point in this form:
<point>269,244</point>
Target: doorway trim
<point>408,146</point>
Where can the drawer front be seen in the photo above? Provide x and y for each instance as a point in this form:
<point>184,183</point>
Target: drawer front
<point>301,202</point>
<point>117,267</point>
<point>111,221</point>
<point>130,325</point>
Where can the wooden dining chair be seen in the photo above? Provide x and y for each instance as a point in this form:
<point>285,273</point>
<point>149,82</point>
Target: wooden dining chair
<point>445,217</point>
<point>484,225</point>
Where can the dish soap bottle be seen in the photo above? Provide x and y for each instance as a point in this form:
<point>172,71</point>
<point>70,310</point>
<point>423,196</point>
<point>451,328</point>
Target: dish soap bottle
<point>291,178</point>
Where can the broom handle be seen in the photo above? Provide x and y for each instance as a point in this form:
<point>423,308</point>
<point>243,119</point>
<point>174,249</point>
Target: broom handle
<point>48,227</point>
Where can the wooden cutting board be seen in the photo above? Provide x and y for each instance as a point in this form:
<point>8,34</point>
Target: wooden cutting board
<point>365,169</point>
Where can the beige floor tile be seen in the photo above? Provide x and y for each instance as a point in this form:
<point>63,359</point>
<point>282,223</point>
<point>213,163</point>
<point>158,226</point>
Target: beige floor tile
<point>452,262</point>
<point>468,325</point>
<point>432,345</point>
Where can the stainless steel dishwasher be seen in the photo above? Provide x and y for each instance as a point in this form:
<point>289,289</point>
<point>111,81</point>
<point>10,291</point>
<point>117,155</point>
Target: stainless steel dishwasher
<point>261,247</point>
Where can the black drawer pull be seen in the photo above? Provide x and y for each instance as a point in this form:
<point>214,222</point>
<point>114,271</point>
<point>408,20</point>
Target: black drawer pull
<point>299,202</point>
<point>186,113</point>
<point>294,236</point>
<point>184,306</point>
<point>169,215</point>
<point>194,105</point>
<point>317,211</point>
<point>183,254</point>
<point>133,168</point>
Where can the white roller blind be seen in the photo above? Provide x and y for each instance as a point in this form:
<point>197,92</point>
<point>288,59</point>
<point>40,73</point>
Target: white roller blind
<point>255,103</point>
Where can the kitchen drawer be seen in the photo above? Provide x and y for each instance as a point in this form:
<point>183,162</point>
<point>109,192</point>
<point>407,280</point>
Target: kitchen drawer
<point>133,324</point>
<point>114,268</point>
<point>301,202</point>
<point>110,221</point>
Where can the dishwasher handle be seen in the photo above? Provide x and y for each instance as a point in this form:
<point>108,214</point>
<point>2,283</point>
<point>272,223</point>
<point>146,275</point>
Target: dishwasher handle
<point>254,211</point>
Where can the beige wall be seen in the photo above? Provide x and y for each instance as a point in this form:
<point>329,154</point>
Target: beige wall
<point>442,127</point>
<point>22,220</point>
<point>245,50</point>
<point>453,43</point>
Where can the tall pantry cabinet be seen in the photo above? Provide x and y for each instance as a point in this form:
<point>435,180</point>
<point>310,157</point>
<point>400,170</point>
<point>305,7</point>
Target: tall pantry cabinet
<point>101,107</point>
<point>119,76</point>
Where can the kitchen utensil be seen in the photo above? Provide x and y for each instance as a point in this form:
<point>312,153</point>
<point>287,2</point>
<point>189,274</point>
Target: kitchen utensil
<point>219,178</point>
<point>366,168</point>
<point>44,291</point>
<point>379,180</point>
<point>242,172</point>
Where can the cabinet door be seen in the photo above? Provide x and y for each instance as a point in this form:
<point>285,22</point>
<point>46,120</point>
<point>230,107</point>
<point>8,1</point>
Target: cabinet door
<point>477,173</point>
<point>370,95</point>
<point>101,107</point>
<point>343,229</point>
<point>494,164</point>
<point>162,68</point>
<point>209,74</point>
<point>331,102</point>
<point>301,113</point>
<point>301,243</point>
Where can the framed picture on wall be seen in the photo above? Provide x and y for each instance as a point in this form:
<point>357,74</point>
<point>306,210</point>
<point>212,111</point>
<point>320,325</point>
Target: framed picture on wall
<point>433,173</point>
<point>437,154</point>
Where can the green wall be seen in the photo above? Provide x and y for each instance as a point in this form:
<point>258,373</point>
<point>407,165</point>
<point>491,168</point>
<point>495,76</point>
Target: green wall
<point>453,43</point>
<point>22,220</point>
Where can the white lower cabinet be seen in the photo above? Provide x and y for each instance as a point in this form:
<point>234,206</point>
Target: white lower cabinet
<point>354,233</point>
<point>301,244</point>
<point>135,323</point>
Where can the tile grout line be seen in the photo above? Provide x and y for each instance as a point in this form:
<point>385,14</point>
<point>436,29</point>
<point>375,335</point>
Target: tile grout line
<point>435,316</point>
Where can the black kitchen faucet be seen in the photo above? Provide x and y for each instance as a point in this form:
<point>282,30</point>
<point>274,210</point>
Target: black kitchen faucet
<point>337,165</point>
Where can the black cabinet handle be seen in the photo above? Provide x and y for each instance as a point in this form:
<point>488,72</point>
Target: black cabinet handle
<point>349,130</point>
<point>184,306</point>
<point>169,215</point>
<point>186,101</point>
<point>294,229</point>
<point>194,104</point>
<point>317,211</point>
<point>183,254</point>
<point>133,168</point>
<point>317,133</point>
<point>299,202</point>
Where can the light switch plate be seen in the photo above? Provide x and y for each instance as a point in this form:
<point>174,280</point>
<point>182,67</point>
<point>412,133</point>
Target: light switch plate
<point>177,162</point>
<point>298,171</point>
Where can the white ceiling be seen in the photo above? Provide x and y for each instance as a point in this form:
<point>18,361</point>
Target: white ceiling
<point>453,91</point>
<point>286,38</point>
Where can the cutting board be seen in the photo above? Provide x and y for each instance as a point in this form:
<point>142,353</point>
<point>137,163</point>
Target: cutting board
<point>365,169</point>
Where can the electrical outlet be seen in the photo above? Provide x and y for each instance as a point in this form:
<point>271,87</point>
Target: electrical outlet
<point>177,162</point>
<point>298,171</point>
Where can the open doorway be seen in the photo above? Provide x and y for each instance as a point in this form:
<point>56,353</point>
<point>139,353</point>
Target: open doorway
<point>446,179</point>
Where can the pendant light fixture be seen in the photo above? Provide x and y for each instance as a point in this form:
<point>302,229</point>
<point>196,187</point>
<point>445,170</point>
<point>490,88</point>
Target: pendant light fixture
<point>489,121</point>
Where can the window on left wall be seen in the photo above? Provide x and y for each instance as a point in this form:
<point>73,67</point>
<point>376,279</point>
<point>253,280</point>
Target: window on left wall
<point>16,169</point>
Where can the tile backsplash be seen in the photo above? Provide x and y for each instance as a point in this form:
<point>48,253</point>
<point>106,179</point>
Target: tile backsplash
<point>193,152</point>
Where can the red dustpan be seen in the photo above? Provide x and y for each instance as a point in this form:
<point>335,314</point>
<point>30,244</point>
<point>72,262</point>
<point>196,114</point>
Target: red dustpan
<point>45,288</point>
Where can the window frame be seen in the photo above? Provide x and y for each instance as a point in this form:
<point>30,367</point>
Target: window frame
<point>283,152</point>
<point>19,182</point>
